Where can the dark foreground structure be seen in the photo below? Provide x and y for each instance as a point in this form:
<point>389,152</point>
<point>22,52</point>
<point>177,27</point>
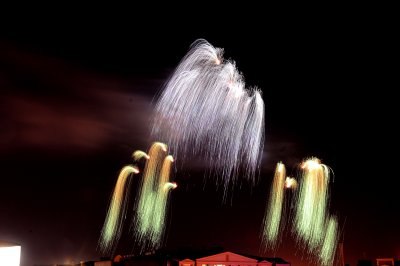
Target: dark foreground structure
<point>189,258</point>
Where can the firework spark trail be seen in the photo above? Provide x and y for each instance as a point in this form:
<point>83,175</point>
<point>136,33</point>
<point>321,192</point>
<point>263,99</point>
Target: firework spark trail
<point>205,110</point>
<point>312,203</point>
<point>145,199</point>
<point>314,230</point>
<point>329,245</point>
<point>254,136</point>
<point>152,198</point>
<point>272,218</point>
<point>137,155</point>
<point>112,227</point>
<point>160,202</point>
<point>150,205</point>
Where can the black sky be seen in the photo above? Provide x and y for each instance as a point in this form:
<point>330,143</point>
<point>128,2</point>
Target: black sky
<point>76,94</point>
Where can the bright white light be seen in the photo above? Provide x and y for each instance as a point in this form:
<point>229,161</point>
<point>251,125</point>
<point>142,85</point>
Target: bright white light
<point>205,111</point>
<point>10,256</point>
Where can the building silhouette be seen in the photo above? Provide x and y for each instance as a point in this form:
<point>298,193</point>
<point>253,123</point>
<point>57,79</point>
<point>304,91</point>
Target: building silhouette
<point>189,258</point>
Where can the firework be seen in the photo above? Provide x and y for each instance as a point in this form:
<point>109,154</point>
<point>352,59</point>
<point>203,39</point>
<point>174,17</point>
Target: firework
<point>312,203</point>
<point>329,244</point>
<point>151,201</point>
<point>112,227</point>
<point>272,218</point>
<point>315,233</point>
<point>204,110</point>
<point>148,226</point>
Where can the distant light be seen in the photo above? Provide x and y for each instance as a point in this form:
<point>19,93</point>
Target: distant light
<point>10,254</point>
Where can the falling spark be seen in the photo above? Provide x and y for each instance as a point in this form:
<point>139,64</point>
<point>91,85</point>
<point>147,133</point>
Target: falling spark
<point>145,197</point>
<point>272,219</point>
<point>150,205</point>
<point>312,203</point>
<point>329,245</point>
<point>112,227</point>
<point>204,110</point>
<point>313,228</point>
<point>152,199</point>
<point>161,193</point>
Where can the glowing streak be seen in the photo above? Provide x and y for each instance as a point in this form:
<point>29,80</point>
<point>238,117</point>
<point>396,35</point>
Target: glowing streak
<point>162,145</point>
<point>204,110</point>
<point>146,195</point>
<point>169,185</point>
<point>137,155</point>
<point>112,227</point>
<point>329,245</point>
<point>152,199</point>
<point>312,203</point>
<point>161,195</point>
<point>273,214</point>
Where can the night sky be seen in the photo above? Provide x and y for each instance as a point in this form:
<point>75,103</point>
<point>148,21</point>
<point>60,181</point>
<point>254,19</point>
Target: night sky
<point>76,97</point>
